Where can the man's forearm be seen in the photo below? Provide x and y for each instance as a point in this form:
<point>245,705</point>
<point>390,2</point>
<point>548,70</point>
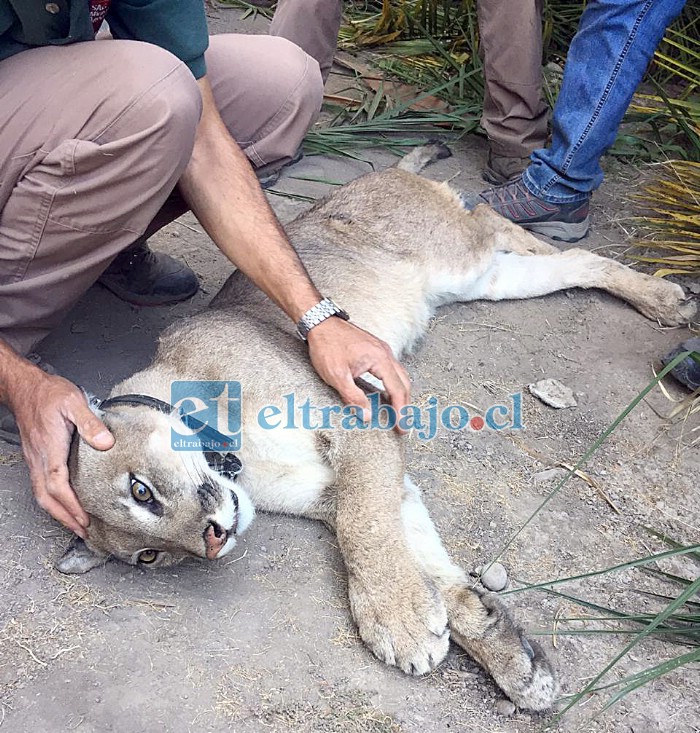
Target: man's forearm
<point>223,192</point>
<point>12,367</point>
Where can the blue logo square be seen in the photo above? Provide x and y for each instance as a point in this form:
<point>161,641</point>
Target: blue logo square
<point>211,415</point>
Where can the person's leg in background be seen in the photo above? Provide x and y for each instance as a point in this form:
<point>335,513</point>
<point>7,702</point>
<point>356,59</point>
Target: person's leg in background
<point>607,59</point>
<point>313,25</point>
<point>515,113</point>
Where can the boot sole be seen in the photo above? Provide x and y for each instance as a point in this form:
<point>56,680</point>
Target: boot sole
<point>495,179</point>
<point>9,436</point>
<point>561,231</point>
<point>146,301</point>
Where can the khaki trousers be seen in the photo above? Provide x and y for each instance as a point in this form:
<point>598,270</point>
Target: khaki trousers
<point>313,25</point>
<point>94,137</point>
<point>515,115</point>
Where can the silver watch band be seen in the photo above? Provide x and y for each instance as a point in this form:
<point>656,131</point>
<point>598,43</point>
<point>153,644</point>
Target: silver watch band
<point>318,314</point>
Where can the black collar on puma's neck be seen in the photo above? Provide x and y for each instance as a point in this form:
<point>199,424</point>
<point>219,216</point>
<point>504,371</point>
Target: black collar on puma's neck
<point>213,442</point>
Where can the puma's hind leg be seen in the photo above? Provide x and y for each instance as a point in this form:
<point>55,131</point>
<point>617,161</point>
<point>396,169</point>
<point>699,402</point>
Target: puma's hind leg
<point>514,264</point>
<point>479,622</point>
<point>516,276</point>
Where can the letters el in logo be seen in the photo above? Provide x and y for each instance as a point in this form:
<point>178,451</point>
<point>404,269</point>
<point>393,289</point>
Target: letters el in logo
<point>216,405</point>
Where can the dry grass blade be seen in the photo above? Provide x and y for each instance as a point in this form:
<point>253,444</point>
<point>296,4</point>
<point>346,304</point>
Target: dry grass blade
<point>672,223</point>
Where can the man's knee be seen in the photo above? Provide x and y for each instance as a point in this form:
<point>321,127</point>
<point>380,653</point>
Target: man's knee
<point>268,91</point>
<point>303,77</point>
<point>302,92</point>
<point>155,95</point>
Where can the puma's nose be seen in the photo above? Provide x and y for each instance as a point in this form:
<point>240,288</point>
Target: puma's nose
<point>215,538</point>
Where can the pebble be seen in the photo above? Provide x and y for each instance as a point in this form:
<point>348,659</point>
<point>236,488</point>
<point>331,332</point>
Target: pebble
<point>553,393</point>
<point>548,474</point>
<point>505,707</point>
<point>495,578</point>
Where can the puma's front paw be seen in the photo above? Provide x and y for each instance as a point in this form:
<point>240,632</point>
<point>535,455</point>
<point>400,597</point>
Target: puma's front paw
<point>403,624</point>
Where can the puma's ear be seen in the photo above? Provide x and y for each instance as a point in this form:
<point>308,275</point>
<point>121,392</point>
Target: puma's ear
<point>79,558</point>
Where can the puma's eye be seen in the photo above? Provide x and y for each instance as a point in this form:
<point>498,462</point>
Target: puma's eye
<point>140,491</point>
<point>148,556</point>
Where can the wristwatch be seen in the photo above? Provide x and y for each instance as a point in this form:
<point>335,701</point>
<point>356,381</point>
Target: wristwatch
<point>318,314</point>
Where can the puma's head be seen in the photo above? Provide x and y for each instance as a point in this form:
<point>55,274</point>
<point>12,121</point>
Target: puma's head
<point>149,504</point>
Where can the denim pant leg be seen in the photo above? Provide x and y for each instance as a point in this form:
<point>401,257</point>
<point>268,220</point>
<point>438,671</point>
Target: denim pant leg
<point>608,56</point>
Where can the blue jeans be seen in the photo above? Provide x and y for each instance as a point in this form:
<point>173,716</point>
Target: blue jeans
<point>608,56</point>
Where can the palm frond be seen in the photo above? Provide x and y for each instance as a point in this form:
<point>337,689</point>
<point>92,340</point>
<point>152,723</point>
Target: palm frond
<point>670,208</point>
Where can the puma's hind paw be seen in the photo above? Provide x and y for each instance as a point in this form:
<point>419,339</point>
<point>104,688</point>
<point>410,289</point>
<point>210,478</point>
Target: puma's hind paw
<point>665,302</point>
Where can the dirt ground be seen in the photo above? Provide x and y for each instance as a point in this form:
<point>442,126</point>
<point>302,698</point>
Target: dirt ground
<point>263,640</point>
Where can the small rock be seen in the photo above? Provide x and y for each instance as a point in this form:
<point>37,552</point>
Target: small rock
<point>548,475</point>
<point>505,707</point>
<point>553,393</point>
<point>495,578</point>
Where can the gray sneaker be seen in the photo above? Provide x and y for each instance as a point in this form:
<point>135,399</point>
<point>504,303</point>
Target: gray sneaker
<point>565,222</point>
<point>9,432</point>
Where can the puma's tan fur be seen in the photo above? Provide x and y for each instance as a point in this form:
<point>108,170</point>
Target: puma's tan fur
<point>390,248</point>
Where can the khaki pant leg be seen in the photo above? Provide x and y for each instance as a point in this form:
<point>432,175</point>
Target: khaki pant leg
<point>87,159</point>
<point>268,92</point>
<point>313,25</point>
<point>515,114</point>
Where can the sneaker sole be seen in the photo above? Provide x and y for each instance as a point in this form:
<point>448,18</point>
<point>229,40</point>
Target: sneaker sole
<point>561,231</point>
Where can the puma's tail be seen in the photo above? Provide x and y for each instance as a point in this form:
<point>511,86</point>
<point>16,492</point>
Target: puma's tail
<point>424,155</point>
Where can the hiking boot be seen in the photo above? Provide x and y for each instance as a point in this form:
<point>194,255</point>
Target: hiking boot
<point>564,222</point>
<point>269,175</point>
<point>688,371</point>
<point>9,432</point>
<point>143,277</point>
<point>503,168</point>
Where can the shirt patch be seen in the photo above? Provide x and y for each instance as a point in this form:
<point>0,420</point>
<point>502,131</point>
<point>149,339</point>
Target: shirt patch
<point>98,11</point>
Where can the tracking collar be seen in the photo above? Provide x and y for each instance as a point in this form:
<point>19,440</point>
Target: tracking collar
<point>213,443</point>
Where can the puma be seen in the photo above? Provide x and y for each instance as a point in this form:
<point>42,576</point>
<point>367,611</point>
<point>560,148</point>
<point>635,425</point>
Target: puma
<point>390,248</point>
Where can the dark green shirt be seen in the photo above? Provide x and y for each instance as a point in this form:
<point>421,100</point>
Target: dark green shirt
<point>179,26</point>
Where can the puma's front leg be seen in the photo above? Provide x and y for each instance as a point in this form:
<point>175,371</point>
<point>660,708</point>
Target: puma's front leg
<point>398,610</point>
